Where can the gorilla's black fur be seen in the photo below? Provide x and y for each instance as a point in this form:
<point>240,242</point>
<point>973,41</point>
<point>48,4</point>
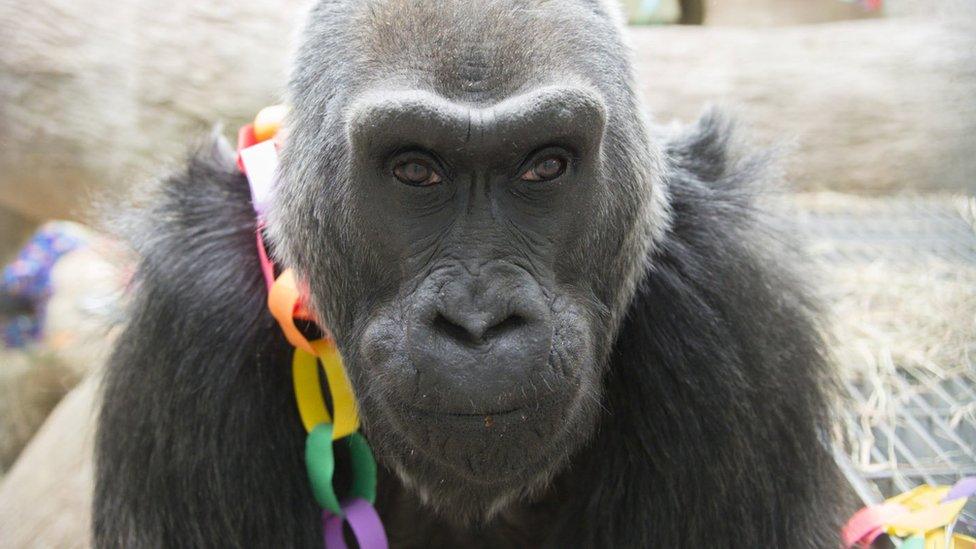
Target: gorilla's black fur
<point>711,433</point>
<point>615,354</point>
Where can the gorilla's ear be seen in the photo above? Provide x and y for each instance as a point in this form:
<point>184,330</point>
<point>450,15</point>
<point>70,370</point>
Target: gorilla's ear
<point>198,384</point>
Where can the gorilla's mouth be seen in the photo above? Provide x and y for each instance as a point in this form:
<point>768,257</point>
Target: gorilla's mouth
<point>486,446</point>
<point>487,414</point>
<point>490,449</point>
<point>465,424</point>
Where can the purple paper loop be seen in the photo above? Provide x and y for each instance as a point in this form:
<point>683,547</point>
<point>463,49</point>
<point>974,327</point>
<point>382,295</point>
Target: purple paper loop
<point>363,520</point>
<point>965,488</point>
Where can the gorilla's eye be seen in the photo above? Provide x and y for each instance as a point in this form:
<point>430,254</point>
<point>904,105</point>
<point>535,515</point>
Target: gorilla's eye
<point>547,169</point>
<point>416,173</point>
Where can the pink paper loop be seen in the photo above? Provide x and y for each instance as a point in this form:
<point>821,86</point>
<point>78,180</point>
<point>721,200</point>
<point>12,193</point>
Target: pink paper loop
<point>867,524</point>
<point>364,522</point>
<point>245,139</point>
<point>267,267</point>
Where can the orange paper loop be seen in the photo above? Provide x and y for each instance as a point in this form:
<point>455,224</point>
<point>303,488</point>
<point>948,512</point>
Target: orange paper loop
<point>268,121</point>
<point>284,302</point>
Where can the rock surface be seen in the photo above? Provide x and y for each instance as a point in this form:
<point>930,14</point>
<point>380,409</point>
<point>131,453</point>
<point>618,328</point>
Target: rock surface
<point>45,498</point>
<point>866,106</point>
<point>81,320</point>
<point>94,103</point>
<point>95,94</point>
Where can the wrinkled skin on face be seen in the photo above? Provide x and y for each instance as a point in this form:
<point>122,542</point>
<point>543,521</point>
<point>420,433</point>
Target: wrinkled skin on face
<point>469,193</point>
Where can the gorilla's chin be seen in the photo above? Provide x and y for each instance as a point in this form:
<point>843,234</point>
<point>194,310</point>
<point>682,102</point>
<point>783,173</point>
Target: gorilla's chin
<point>497,449</point>
<point>469,467</point>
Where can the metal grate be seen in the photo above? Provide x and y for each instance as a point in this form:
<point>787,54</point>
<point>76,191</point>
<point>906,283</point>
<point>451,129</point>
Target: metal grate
<point>926,433</point>
<point>891,229</point>
<point>912,425</point>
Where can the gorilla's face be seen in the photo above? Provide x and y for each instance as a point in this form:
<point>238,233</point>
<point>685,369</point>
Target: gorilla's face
<point>483,357</point>
<point>470,229</point>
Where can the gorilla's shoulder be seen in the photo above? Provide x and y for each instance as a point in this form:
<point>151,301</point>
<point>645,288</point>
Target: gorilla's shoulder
<point>731,254</point>
<point>718,181</point>
<point>193,229</point>
<point>204,192</point>
<point>714,150</point>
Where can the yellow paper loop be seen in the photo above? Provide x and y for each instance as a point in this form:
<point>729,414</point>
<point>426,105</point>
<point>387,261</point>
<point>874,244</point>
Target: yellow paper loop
<point>343,401</point>
<point>922,521</point>
<point>308,392</point>
<point>936,539</point>
<point>927,511</point>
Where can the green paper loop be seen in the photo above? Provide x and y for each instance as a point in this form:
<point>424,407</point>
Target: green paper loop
<point>320,463</point>
<point>363,467</point>
<point>914,542</point>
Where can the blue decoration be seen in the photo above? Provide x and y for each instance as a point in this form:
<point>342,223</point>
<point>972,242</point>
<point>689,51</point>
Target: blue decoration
<point>26,282</point>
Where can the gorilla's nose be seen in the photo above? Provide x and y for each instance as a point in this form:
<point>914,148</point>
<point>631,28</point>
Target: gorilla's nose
<point>478,341</point>
<point>478,326</point>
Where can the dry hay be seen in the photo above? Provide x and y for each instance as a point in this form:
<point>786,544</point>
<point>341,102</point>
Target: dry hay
<point>903,332</point>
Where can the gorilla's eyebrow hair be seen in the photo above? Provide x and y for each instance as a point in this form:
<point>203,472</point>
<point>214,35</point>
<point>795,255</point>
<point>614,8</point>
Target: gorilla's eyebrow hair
<point>421,118</point>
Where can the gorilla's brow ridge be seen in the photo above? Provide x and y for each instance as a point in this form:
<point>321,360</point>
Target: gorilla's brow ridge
<point>560,110</point>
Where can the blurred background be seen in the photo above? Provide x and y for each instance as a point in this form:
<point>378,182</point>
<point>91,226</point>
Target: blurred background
<point>874,102</point>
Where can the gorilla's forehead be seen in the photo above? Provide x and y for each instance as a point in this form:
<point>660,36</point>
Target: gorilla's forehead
<point>471,49</point>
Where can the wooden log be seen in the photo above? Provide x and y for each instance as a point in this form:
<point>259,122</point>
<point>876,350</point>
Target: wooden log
<point>755,13</point>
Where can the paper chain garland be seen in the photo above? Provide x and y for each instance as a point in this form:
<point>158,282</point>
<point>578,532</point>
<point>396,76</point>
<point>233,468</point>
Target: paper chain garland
<point>257,148</point>
<point>924,517</point>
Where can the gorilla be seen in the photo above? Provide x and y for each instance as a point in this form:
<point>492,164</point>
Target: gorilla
<point>563,327</point>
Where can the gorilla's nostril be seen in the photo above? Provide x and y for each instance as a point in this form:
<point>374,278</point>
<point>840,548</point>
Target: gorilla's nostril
<point>476,331</point>
<point>509,324</point>
<point>455,331</point>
